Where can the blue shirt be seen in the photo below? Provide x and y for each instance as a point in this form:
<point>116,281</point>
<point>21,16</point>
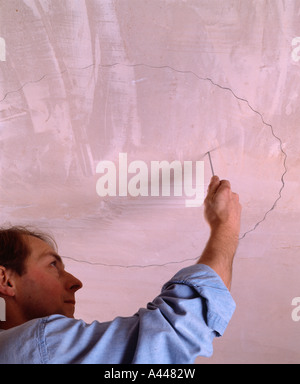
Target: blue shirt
<point>180,324</point>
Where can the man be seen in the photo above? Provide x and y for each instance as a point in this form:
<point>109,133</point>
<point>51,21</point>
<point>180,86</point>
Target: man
<point>180,324</point>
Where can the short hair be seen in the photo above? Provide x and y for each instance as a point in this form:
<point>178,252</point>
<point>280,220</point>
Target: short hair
<point>14,248</point>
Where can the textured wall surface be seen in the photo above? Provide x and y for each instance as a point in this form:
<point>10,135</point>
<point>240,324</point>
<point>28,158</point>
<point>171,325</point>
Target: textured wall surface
<point>82,82</point>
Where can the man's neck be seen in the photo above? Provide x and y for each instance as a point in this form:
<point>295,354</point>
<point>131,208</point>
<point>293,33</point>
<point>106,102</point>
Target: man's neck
<point>4,325</point>
<point>13,319</point>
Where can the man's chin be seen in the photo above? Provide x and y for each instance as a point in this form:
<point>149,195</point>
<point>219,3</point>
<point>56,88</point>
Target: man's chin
<point>69,312</point>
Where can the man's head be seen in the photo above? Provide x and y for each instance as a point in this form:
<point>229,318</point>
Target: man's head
<point>33,280</point>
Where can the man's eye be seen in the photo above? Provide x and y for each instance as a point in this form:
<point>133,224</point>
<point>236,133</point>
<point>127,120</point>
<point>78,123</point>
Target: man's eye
<point>54,264</point>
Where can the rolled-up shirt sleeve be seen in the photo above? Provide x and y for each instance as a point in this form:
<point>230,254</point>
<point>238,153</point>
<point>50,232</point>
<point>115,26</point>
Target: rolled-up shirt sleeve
<point>193,308</point>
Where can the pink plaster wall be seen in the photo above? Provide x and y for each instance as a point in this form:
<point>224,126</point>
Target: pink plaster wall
<point>83,81</point>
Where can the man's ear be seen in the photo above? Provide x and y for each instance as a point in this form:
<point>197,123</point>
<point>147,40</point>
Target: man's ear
<point>6,286</point>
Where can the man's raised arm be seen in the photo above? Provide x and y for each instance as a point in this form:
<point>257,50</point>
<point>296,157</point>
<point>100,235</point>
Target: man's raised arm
<point>223,214</point>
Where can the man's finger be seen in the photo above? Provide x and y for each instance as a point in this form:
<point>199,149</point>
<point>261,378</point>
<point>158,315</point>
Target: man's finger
<point>213,186</point>
<point>224,184</point>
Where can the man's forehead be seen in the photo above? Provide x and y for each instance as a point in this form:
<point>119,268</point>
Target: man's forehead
<point>37,243</point>
<point>39,247</point>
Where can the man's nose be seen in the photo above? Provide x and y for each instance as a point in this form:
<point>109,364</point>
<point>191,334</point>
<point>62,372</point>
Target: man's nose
<point>74,284</point>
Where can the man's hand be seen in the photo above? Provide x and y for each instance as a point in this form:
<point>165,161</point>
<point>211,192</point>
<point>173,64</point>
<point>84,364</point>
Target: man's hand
<point>223,214</point>
<point>222,207</point>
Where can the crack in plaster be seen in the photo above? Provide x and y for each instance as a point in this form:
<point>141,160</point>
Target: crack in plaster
<point>227,89</point>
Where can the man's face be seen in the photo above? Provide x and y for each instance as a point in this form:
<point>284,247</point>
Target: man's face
<point>46,288</point>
